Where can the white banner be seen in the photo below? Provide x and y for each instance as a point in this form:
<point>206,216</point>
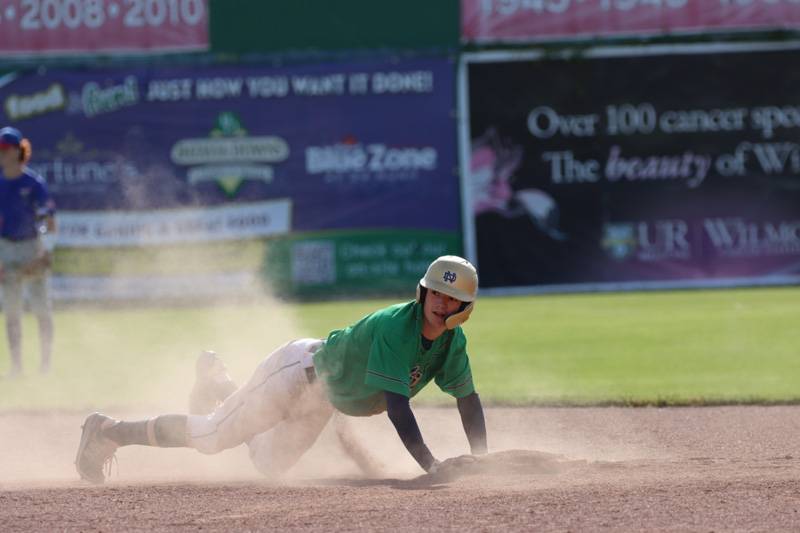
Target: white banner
<point>96,229</point>
<point>143,288</point>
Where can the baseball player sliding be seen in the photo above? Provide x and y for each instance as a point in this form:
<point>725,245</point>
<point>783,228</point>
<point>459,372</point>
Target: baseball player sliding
<point>372,366</point>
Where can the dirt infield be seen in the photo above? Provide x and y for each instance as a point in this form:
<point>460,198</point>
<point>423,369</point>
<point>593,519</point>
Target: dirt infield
<point>686,469</point>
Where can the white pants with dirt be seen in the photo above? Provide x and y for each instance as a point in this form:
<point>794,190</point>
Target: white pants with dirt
<point>279,412</point>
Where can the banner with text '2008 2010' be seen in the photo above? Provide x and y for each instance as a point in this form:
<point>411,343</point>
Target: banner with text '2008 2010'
<point>646,169</point>
<point>58,27</point>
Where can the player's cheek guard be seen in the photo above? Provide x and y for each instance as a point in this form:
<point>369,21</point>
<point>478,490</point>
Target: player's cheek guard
<point>456,277</point>
<point>458,318</point>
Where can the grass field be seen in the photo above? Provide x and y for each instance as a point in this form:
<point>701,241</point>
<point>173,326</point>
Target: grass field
<point>654,348</point>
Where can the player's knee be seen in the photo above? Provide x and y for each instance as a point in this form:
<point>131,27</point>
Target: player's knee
<point>203,435</point>
<point>42,313</point>
<point>12,307</point>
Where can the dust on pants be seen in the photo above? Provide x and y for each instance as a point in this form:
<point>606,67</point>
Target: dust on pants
<point>278,412</point>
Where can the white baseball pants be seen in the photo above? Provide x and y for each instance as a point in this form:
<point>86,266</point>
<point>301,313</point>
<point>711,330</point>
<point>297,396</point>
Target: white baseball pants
<point>279,413</point>
<point>14,256</point>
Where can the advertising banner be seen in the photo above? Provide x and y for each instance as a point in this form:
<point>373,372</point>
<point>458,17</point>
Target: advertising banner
<point>163,157</point>
<point>485,21</point>
<point>645,169</point>
<point>57,27</point>
<point>368,262</point>
<point>92,229</point>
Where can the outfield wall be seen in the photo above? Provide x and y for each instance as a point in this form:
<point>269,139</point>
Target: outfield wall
<point>217,144</point>
<point>322,26</point>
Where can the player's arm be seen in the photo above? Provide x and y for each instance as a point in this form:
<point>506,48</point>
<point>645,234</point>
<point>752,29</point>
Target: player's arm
<point>398,408</point>
<point>455,379</point>
<point>45,213</point>
<point>48,238</point>
<point>389,372</point>
<point>50,223</point>
<point>471,411</point>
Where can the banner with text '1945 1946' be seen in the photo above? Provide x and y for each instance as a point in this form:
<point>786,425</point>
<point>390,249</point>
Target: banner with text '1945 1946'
<point>486,21</point>
<point>648,169</point>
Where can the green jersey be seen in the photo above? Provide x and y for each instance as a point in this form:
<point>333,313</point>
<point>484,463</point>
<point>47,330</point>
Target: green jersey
<point>384,352</point>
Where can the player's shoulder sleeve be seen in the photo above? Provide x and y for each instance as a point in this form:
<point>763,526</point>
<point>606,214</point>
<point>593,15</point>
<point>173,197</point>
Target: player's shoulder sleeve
<point>388,362</point>
<point>455,376</point>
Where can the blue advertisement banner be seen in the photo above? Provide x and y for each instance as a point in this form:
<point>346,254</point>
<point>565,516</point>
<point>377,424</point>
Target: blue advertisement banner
<point>349,146</point>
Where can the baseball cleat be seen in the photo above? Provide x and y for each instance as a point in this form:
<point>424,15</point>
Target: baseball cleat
<point>94,451</point>
<point>212,384</point>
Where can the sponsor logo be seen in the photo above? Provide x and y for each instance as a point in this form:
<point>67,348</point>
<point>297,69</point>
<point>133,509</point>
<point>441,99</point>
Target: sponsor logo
<point>99,100</point>
<point>64,174</point>
<point>260,149</point>
<point>647,241</point>
<point>19,107</point>
<point>619,240</point>
<point>363,162</point>
<point>449,277</point>
<point>245,172</point>
<point>72,168</point>
<point>229,156</point>
<point>738,237</point>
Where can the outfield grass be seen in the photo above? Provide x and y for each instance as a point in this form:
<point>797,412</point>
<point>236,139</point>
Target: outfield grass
<point>636,348</point>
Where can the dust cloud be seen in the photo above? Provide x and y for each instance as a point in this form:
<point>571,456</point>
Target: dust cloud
<point>38,447</point>
<point>95,356</point>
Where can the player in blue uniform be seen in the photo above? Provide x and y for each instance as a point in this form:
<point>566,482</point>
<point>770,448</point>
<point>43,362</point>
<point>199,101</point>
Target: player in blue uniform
<point>26,214</point>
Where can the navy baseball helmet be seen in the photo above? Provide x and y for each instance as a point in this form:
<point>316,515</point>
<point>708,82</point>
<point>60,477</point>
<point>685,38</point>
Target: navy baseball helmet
<point>10,137</point>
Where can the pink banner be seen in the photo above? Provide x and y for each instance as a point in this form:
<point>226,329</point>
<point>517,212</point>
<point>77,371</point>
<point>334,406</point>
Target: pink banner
<point>530,20</point>
<point>49,27</point>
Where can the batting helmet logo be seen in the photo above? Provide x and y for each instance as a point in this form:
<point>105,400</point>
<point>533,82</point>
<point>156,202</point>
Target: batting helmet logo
<point>449,277</point>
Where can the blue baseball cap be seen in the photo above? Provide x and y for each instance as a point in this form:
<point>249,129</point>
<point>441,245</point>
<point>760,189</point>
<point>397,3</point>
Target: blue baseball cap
<point>10,137</point>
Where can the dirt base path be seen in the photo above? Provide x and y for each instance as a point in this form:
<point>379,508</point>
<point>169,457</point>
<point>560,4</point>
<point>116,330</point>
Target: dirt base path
<point>690,469</point>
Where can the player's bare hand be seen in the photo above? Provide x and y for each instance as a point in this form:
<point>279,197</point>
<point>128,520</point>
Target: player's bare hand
<point>458,462</point>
